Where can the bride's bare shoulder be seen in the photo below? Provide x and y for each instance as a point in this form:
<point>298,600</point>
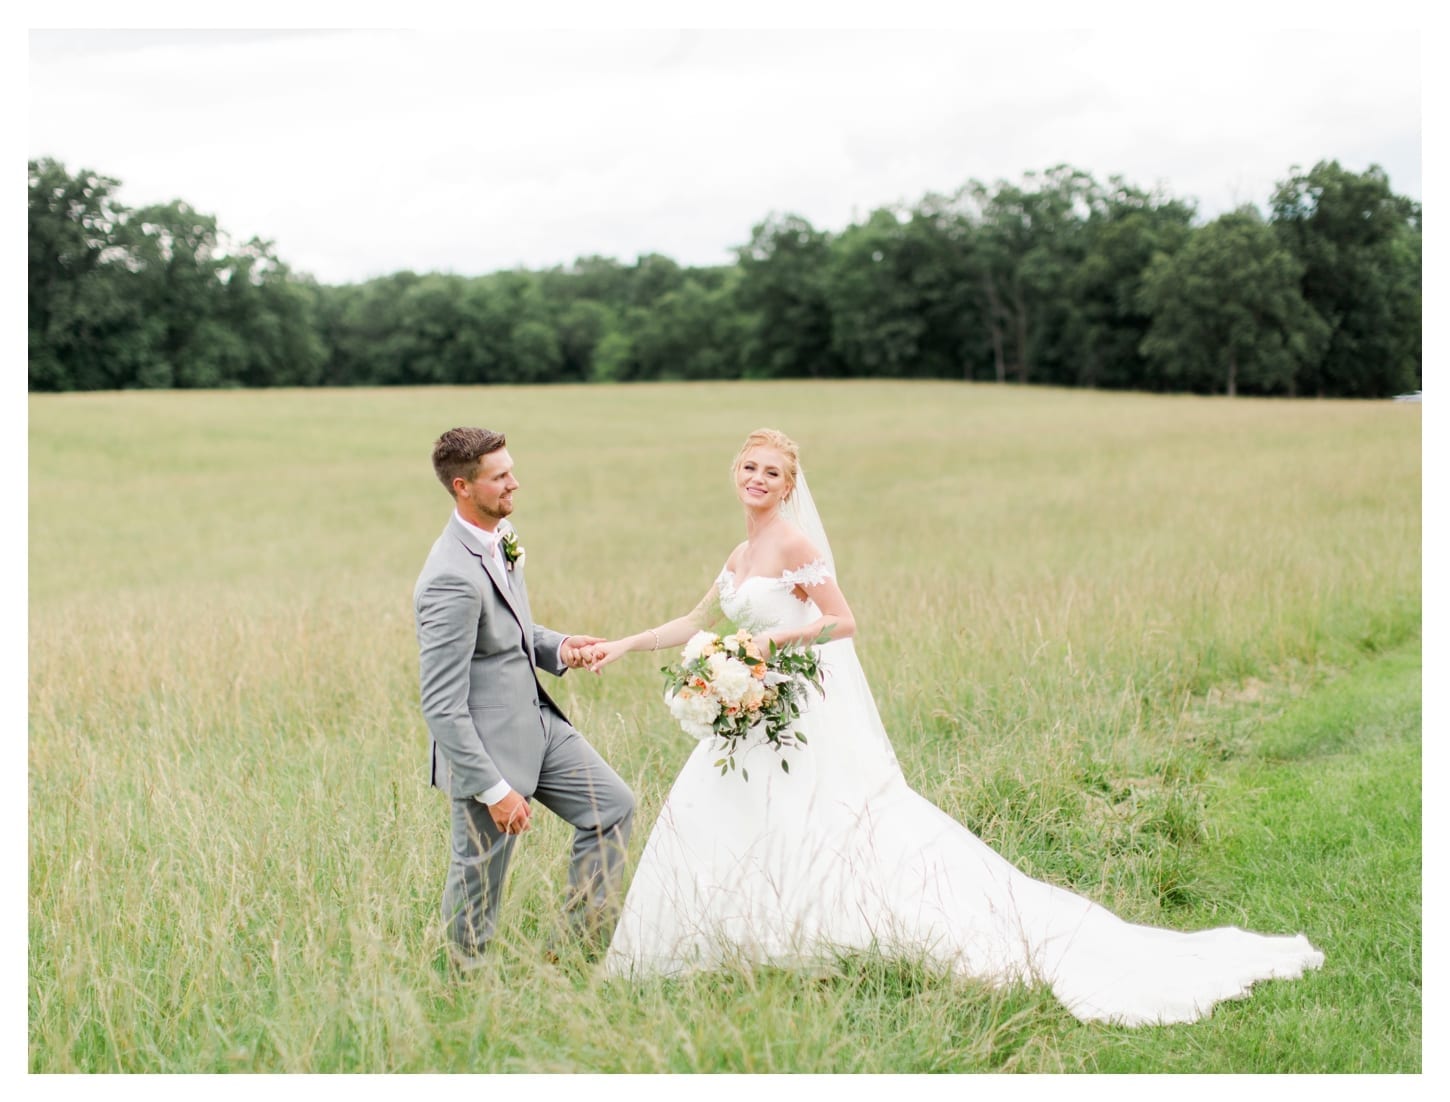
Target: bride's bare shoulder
<point>796,550</point>
<point>732,563</point>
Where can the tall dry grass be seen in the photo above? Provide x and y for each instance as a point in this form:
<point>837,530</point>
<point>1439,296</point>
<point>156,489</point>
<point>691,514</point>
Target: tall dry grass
<point>234,863</point>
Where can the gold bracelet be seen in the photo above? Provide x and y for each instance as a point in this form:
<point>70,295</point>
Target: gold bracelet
<point>657,639</point>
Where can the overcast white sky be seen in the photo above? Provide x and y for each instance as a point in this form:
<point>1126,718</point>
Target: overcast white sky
<point>360,153</point>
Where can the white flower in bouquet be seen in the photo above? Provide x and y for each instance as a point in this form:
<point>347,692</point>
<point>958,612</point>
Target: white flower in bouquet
<point>729,678</point>
<point>700,644</point>
<point>695,712</point>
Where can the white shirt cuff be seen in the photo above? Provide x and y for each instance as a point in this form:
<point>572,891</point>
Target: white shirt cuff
<point>495,793</point>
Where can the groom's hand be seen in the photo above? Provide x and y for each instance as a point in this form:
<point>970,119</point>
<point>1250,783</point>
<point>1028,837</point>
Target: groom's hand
<point>510,814</point>
<point>577,650</point>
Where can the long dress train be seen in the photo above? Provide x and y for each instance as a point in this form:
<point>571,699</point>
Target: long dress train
<point>841,854</point>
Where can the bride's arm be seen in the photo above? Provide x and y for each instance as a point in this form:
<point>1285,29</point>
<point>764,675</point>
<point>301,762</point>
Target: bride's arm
<point>835,619</point>
<point>674,633</point>
<point>814,581</point>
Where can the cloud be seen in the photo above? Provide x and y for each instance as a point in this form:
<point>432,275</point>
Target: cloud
<point>364,152</point>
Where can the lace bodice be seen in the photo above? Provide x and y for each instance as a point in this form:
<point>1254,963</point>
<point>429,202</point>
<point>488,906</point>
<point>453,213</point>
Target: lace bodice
<point>764,604</point>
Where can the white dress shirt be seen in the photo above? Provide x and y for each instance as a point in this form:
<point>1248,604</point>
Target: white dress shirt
<point>491,545</point>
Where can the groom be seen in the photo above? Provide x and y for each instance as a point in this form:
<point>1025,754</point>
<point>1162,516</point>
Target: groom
<point>497,738</point>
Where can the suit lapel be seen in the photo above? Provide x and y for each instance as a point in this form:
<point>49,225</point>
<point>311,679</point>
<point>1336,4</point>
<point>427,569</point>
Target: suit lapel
<point>491,568</point>
<point>517,595</point>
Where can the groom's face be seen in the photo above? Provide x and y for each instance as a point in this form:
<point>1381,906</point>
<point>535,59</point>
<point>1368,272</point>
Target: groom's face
<point>490,496</point>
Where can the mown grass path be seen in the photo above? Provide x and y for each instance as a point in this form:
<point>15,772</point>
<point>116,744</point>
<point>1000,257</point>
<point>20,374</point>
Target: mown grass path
<point>1319,829</point>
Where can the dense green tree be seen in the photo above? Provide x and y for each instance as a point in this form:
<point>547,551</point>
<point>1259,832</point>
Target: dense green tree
<point>1227,312</point>
<point>371,344</point>
<point>582,325</point>
<point>1054,279</point>
<point>956,342</point>
<point>876,320</point>
<point>535,352</point>
<point>489,312</point>
<point>1360,247</point>
<point>431,343</point>
<point>155,297</point>
<point>613,359</point>
<point>171,252</point>
<point>901,296</point>
<point>217,312</point>
<point>77,303</point>
<point>1029,240</point>
<point>530,352</point>
<point>598,279</point>
<point>279,314</point>
<point>906,293</point>
<point>601,279</point>
<point>652,277</point>
<point>344,323</point>
<point>1125,228</point>
<point>784,272</point>
<point>693,332</point>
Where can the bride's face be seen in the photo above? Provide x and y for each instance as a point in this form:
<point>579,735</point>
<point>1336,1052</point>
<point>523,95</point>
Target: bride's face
<point>761,480</point>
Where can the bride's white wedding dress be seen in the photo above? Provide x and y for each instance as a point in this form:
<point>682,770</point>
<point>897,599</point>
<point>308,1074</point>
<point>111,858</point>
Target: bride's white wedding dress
<point>840,854</point>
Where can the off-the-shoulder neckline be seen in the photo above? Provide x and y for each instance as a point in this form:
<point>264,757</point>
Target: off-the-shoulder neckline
<point>819,563</point>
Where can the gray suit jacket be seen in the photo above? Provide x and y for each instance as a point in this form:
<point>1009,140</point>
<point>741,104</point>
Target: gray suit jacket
<point>478,654</point>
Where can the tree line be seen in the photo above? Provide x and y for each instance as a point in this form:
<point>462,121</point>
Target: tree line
<point>1056,279</point>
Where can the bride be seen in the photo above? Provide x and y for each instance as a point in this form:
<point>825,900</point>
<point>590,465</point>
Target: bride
<point>840,854</point>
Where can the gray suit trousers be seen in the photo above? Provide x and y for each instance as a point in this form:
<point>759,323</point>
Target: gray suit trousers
<point>574,783</point>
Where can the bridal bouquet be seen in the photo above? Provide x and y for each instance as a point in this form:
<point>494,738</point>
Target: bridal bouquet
<point>724,687</point>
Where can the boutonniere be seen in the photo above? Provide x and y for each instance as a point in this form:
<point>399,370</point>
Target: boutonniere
<point>513,552</point>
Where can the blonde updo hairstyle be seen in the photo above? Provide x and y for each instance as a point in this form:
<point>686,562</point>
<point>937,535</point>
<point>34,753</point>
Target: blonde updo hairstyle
<point>771,438</point>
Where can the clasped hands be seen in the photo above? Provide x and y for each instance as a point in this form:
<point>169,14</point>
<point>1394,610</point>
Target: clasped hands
<point>590,652</point>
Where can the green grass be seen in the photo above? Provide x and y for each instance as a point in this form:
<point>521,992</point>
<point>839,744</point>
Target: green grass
<point>1162,650</point>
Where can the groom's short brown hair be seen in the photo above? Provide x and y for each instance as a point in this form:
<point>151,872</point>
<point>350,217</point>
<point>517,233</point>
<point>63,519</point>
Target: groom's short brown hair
<point>458,452</point>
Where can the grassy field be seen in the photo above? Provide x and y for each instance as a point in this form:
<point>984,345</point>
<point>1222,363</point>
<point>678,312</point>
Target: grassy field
<point>1162,650</point>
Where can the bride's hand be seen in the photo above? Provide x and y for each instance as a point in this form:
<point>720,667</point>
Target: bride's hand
<point>604,653</point>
